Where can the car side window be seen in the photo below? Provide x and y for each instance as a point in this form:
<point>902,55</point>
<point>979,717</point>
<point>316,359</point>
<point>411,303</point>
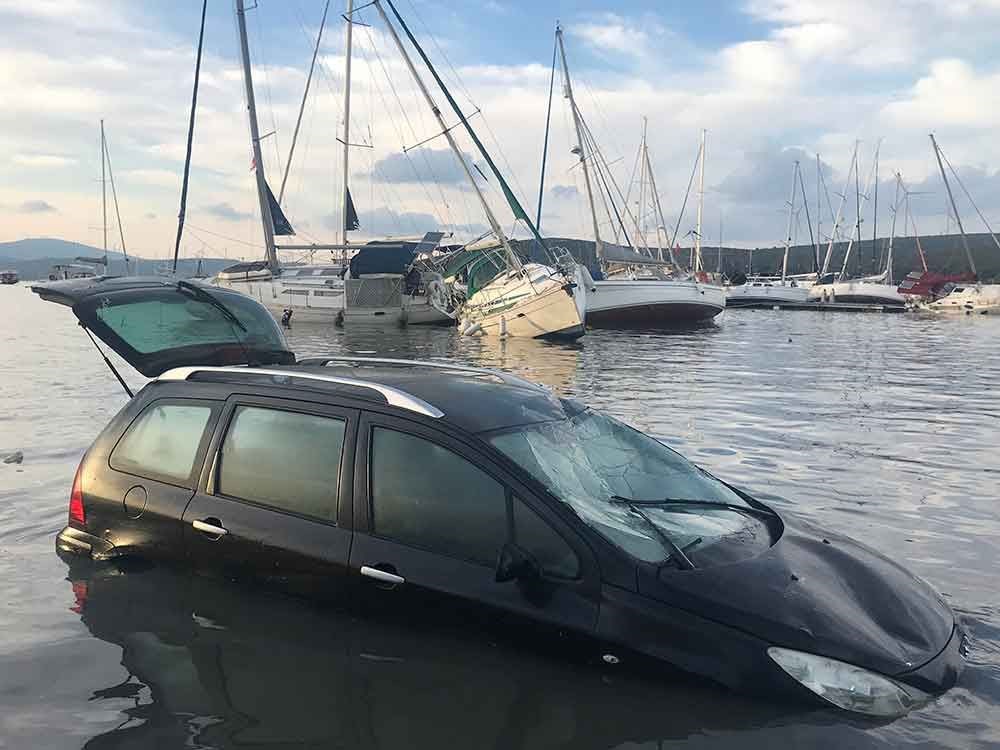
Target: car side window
<point>283,459</point>
<point>162,443</point>
<point>427,496</point>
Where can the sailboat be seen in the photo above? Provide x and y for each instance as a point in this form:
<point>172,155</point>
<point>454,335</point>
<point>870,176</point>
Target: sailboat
<point>876,289</point>
<point>974,298</point>
<point>518,298</point>
<point>764,291</point>
<point>623,297</point>
<point>319,292</point>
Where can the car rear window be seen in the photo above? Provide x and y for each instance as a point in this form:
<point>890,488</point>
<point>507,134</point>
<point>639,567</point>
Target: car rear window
<point>283,459</point>
<point>162,443</point>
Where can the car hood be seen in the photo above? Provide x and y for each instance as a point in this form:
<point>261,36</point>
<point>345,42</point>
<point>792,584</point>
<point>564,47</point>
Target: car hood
<point>818,592</point>
<point>158,323</point>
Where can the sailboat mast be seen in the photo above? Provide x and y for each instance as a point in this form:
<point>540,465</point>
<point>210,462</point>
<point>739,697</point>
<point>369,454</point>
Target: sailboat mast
<point>348,38</point>
<point>954,209</point>
<point>661,222</point>
<point>892,231</point>
<point>114,199</point>
<point>266,219</point>
<point>598,245</point>
<point>701,205</point>
<point>840,211</point>
<point>640,214</point>
<point>545,141</point>
<point>788,231</point>
<point>182,212</point>
<point>104,199</point>
<point>819,214</point>
<point>446,131</point>
<point>875,214</point>
<point>805,205</point>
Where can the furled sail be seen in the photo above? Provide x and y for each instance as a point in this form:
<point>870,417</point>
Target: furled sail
<point>281,224</point>
<point>351,219</point>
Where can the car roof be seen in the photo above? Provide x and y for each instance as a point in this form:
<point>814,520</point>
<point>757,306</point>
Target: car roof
<point>473,399</point>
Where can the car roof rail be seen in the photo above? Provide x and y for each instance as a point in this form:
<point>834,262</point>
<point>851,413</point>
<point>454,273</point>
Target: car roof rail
<point>338,359</point>
<point>393,396</point>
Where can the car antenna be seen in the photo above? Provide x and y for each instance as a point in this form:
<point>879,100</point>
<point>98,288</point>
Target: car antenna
<point>107,361</point>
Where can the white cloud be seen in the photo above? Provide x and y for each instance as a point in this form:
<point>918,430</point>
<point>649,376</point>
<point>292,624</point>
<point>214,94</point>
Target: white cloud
<point>43,160</point>
<point>819,74</point>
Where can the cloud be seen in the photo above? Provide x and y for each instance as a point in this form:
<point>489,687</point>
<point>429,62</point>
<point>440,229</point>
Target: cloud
<point>226,212</point>
<point>952,93</point>
<point>157,177</point>
<point>421,165</point>
<point>384,222</point>
<point>765,175</point>
<point>564,191</point>
<point>43,160</point>
<point>612,34</point>
<point>36,207</point>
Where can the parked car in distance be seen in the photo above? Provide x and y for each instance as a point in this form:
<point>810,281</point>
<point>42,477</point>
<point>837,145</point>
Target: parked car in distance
<point>414,480</point>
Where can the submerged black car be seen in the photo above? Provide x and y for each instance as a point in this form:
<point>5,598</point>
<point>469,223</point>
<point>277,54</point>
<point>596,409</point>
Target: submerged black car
<point>475,489</point>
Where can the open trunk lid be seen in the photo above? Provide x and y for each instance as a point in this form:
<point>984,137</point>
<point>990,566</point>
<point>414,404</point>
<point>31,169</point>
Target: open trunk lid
<point>158,323</point>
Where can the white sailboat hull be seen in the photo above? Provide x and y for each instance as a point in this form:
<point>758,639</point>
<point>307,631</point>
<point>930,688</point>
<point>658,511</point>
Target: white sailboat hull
<point>983,299</point>
<point>623,302</point>
<point>767,294</point>
<point>546,307</point>
<point>308,303</point>
<point>857,292</point>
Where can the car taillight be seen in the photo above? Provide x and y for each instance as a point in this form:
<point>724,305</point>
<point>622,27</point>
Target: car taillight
<point>76,516</point>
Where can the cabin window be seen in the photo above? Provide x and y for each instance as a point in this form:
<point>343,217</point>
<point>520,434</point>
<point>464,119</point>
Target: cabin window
<point>286,460</point>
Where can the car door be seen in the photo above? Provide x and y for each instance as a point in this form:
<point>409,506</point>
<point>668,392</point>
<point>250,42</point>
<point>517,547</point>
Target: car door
<point>274,503</point>
<point>431,515</point>
<point>139,496</point>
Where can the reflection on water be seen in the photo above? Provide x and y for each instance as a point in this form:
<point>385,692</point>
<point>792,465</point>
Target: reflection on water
<point>881,427</point>
<point>210,664</point>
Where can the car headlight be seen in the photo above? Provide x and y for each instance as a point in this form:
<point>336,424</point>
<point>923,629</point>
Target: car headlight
<point>847,686</point>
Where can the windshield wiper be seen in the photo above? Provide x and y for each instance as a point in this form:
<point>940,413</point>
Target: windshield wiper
<point>676,553</point>
<point>687,503</point>
<point>196,291</point>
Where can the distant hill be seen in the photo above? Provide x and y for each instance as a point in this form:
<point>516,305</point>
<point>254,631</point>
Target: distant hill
<point>33,257</point>
<point>944,254</point>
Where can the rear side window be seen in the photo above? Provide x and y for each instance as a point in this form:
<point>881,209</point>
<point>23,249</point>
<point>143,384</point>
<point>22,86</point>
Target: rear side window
<point>426,496</point>
<point>163,442</point>
<point>283,459</point>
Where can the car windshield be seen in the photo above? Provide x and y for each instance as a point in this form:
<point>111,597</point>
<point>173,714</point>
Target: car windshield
<point>596,464</point>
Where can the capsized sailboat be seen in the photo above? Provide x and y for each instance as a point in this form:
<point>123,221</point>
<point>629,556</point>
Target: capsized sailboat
<point>520,299</point>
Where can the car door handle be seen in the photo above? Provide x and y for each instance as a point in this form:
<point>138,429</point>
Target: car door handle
<point>215,528</point>
<point>382,575</point>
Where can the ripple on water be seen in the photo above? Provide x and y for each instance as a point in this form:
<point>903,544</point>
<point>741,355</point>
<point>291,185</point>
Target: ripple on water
<point>876,426</point>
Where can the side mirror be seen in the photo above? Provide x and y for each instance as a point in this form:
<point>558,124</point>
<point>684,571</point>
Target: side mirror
<point>515,563</point>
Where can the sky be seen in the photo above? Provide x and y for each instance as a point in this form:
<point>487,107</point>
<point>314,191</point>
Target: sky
<point>770,81</point>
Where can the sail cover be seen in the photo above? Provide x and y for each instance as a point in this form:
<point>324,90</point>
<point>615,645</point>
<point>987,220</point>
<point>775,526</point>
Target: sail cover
<point>281,224</point>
